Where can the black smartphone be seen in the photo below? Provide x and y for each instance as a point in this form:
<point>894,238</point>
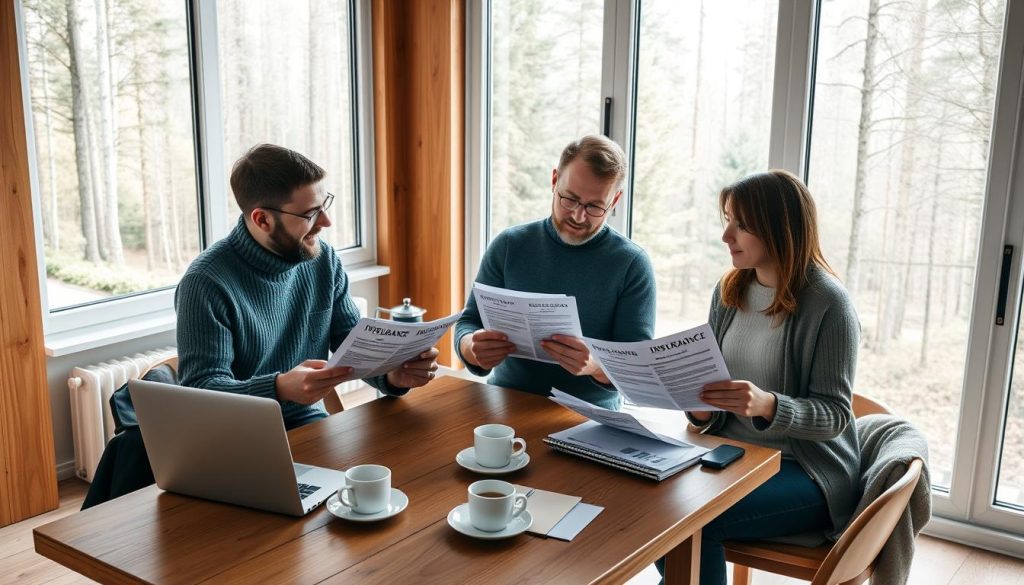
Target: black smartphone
<point>721,456</point>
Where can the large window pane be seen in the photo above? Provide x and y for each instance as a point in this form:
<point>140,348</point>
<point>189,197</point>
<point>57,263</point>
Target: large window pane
<point>1010,489</point>
<point>546,91</point>
<point>112,115</point>
<point>704,100</point>
<point>286,78</point>
<point>902,114</point>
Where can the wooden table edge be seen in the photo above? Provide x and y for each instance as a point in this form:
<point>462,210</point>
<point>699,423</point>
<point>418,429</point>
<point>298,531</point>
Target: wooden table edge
<point>685,531</point>
<point>86,566</point>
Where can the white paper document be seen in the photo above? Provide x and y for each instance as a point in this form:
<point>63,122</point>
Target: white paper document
<point>377,346</point>
<point>527,318</point>
<point>628,451</point>
<point>668,372</point>
<point>612,418</point>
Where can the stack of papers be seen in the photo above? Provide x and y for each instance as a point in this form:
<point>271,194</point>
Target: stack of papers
<point>527,318</point>
<point>623,450</point>
<point>623,441</point>
<point>668,372</point>
<point>378,346</point>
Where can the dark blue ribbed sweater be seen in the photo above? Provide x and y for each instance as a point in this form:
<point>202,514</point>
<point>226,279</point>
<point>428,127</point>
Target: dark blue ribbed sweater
<point>246,315</point>
<point>611,278</point>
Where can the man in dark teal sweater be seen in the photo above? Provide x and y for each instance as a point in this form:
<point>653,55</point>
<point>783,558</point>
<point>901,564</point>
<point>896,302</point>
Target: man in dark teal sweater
<point>259,311</point>
<point>575,253</point>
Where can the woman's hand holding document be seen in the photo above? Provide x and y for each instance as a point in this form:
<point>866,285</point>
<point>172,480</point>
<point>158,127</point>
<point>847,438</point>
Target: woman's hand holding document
<point>527,318</point>
<point>664,373</point>
<point>378,346</point>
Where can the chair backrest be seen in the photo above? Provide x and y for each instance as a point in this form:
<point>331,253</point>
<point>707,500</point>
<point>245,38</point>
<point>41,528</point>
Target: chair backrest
<point>863,406</point>
<point>867,534</point>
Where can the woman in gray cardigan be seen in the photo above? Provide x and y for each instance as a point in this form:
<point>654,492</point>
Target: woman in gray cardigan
<point>789,335</point>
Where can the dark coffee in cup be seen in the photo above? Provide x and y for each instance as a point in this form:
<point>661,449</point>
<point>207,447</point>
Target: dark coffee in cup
<point>491,495</point>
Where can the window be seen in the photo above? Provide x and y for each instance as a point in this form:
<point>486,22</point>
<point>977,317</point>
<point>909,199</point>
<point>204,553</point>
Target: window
<point>118,89</point>
<point>903,119</point>
<point>902,115</point>
<point>703,113</point>
<point>546,87</point>
<point>115,153</point>
<point>286,79</point>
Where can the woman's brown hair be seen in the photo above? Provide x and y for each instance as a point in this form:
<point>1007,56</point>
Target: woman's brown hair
<point>777,208</point>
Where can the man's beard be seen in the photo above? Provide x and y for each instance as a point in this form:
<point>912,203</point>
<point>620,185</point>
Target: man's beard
<point>573,239</point>
<point>291,248</point>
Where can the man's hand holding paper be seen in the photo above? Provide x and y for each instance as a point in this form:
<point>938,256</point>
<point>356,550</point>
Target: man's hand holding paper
<point>526,320</point>
<point>404,351</point>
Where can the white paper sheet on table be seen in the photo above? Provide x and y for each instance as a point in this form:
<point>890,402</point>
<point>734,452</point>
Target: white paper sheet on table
<point>618,419</point>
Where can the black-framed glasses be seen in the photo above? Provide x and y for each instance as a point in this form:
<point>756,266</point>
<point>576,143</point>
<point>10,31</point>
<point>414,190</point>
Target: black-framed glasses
<point>572,204</point>
<point>311,218</point>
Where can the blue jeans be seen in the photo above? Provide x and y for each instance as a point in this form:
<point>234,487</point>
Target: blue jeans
<point>788,503</point>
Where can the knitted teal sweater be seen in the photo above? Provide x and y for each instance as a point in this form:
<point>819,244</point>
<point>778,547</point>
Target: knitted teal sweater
<point>611,278</point>
<point>246,315</point>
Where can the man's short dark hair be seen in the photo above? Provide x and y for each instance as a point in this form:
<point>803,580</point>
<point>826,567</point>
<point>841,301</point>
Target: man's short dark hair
<point>267,175</point>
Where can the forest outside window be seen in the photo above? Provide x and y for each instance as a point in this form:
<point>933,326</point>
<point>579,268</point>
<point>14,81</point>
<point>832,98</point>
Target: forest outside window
<point>118,164</point>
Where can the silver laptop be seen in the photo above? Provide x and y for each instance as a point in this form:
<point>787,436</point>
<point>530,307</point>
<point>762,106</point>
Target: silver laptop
<point>226,447</point>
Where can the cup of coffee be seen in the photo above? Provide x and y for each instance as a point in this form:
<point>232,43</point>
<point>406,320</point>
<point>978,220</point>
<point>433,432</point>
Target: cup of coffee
<point>367,489</point>
<point>494,445</point>
<point>493,504</point>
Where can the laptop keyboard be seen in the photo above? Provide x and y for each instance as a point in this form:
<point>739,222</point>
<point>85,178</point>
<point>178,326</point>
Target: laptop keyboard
<point>305,490</point>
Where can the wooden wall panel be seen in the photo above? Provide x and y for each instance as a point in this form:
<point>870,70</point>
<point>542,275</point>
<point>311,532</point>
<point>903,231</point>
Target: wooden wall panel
<point>418,104</point>
<point>28,484</point>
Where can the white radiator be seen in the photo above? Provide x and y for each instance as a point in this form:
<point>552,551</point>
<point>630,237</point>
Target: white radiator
<point>90,388</point>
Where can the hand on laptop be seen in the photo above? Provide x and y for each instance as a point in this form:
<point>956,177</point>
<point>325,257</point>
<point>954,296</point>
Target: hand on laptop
<point>415,372</point>
<point>572,354</point>
<point>310,381</point>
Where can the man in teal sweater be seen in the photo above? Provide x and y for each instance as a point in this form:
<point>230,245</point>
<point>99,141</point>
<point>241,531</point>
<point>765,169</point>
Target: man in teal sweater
<point>259,311</point>
<point>575,253</point>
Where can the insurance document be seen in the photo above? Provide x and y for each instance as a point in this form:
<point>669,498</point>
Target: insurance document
<point>377,346</point>
<point>613,418</point>
<point>527,318</point>
<point>664,373</point>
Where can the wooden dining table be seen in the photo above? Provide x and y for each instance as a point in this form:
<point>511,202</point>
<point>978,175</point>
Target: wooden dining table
<point>153,536</point>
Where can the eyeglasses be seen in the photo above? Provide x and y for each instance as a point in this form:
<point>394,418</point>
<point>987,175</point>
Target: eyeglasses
<point>311,218</point>
<point>572,204</point>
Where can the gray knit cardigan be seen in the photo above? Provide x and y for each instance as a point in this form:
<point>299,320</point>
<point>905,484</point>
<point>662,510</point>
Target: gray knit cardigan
<point>815,400</point>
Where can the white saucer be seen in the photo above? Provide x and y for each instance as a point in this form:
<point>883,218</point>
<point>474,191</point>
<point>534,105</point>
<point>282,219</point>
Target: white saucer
<point>458,519</point>
<point>399,501</point>
<point>467,459</point>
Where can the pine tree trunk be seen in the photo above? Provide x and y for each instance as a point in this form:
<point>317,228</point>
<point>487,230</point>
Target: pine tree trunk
<point>147,197</point>
<point>108,136</point>
<point>933,234</point>
<point>863,133</point>
<point>81,130</point>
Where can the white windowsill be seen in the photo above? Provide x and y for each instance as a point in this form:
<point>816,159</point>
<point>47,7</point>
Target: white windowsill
<point>111,332</point>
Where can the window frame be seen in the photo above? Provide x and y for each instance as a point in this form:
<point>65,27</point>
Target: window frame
<point>212,174</point>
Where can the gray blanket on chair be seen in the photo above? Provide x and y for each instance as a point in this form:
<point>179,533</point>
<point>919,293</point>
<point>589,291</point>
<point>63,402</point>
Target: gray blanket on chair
<point>887,446</point>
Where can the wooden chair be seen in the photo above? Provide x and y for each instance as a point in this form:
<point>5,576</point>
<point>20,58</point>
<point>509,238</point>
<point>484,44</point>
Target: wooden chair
<point>851,560</point>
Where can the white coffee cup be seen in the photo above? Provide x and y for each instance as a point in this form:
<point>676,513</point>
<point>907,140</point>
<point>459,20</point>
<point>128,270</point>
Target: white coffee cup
<point>493,504</point>
<point>367,489</point>
<point>494,445</point>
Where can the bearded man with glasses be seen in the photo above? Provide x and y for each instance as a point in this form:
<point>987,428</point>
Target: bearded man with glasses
<point>571,252</point>
<point>259,311</point>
